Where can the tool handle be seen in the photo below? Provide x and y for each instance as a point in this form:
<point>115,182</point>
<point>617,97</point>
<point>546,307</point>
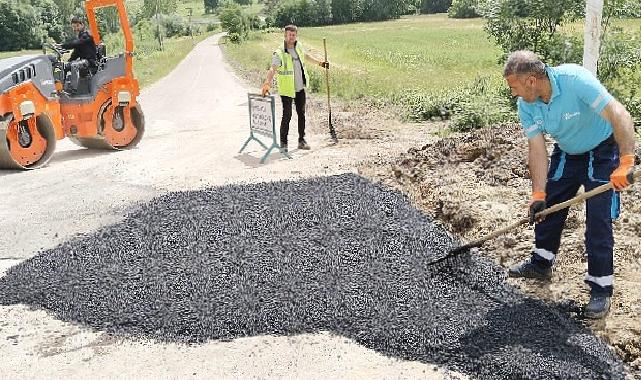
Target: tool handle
<point>557,207</point>
<point>326,72</point>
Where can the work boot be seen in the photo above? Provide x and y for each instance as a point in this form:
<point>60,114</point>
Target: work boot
<point>529,269</point>
<point>598,306</point>
<point>283,147</point>
<point>302,144</point>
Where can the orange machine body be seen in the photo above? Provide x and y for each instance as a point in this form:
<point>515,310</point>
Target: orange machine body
<point>110,118</point>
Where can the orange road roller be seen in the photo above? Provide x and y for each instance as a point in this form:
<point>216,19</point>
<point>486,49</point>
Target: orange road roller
<point>37,108</point>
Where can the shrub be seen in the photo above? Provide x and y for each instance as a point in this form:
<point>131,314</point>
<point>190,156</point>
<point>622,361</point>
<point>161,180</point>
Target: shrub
<point>315,80</point>
<point>476,105</point>
<point>435,6</point>
<point>463,9</point>
<point>234,21</point>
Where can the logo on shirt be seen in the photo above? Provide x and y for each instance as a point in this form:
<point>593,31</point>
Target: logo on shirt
<point>568,115</point>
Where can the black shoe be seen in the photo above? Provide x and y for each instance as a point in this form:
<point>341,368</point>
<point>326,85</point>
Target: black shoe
<point>598,307</point>
<point>303,145</point>
<point>528,269</point>
<point>283,147</point>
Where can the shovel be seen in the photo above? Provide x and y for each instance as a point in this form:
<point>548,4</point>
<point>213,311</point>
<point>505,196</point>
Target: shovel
<point>557,207</point>
<point>332,131</point>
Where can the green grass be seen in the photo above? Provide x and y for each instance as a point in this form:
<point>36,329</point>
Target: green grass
<point>375,60</point>
<point>9,54</point>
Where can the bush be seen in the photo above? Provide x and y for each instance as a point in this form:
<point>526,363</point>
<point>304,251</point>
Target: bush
<point>435,6</point>
<point>210,5</point>
<point>293,12</point>
<point>212,27</point>
<point>634,107</point>
<point>234,21</point>
<point>620,53</point>
<point>315,80</point>
<point>26,26</point>
<point>534,25</point>
<point>626,8</point>
<point>477,105</point>
<point>463,9</point>
<point>422,106</point>
<point>173,25</point>
<point>326,12</point>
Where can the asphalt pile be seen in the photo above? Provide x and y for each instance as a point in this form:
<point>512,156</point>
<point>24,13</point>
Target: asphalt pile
<point>337,254</point>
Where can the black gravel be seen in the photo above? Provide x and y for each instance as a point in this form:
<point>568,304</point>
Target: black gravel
<point>335,254</point>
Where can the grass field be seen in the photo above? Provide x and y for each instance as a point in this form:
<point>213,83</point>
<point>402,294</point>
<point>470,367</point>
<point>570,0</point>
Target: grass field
<point>9,54</point>
<point>375,59</point>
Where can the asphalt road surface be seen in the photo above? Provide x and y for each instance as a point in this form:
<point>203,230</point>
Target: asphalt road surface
<point>184,258</point>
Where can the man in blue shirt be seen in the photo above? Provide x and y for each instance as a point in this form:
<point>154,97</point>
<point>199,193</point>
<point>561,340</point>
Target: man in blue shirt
<point>594,137</point>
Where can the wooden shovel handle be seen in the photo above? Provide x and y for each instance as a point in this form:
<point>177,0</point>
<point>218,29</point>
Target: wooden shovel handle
<point>557,207</point>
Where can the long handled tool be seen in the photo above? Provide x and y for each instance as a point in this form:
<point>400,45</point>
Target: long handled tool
<point>579,198</point>
<point>332,131</point>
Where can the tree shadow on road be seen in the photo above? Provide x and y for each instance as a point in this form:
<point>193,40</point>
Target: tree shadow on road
<point>335,254</point>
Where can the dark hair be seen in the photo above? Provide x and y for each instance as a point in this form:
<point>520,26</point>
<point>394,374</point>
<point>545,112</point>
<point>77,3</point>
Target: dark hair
<point>291,28</point>
<point>77,20</point>
<point>524,62</point>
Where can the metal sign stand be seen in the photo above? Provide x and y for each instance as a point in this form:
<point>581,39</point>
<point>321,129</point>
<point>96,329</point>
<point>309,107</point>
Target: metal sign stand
<point>262,121</point>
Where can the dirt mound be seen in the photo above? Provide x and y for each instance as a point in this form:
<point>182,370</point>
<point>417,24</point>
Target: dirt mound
<point>478,182</point>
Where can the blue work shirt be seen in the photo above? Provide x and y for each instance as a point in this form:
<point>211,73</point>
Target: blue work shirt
<point>573,115</point>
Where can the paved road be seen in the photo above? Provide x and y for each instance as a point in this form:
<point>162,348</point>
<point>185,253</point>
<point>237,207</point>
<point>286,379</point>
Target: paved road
<point>196,122</point>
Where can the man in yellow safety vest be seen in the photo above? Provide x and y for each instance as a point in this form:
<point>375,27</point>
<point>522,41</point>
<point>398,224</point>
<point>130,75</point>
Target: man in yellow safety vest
<point>289,62</point>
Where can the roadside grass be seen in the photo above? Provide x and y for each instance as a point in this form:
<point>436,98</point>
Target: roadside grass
<point>380,60</point>
<point>431,66</point>
<point>9,54</point>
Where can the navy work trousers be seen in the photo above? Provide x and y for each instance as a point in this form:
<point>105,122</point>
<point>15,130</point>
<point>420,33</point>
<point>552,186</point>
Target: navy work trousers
<point>567,173</point>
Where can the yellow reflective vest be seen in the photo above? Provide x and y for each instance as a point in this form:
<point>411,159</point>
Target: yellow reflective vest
<point>285,78</point>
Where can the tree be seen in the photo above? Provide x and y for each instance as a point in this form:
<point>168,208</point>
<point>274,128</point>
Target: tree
<point>463,9</point>
<point>435,6</point>
<point>152,7</point>
<point>323,12</point>
<point>66,10</point>
<point>210,5</point>
<point>20,27</point>
<point>534,25</point>
<point>343,11</point>
<point>235,21</point>
<point>51,23</point>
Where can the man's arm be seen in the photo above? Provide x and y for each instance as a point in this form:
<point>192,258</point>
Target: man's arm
<point>622,125</point>
<point>312,59</point>
<point>538,161</point>
<point>82,39</point>
<point>268,82</point>
<point>623,128</point>
<point>270,74</point>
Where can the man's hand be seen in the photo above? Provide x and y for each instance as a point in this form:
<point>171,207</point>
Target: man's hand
<point>622,176</point>
<point>324,64</point>
<point>265,89</point>
<point>537,204</point>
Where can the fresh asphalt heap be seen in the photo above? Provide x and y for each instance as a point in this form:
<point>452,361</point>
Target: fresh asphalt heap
<point>335,254</point>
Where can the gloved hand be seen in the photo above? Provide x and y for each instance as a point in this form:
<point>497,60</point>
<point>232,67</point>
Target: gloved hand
<point>265,89</point>
<point>622,176</point>
<point>537,204</point>
<point>324,64</point>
